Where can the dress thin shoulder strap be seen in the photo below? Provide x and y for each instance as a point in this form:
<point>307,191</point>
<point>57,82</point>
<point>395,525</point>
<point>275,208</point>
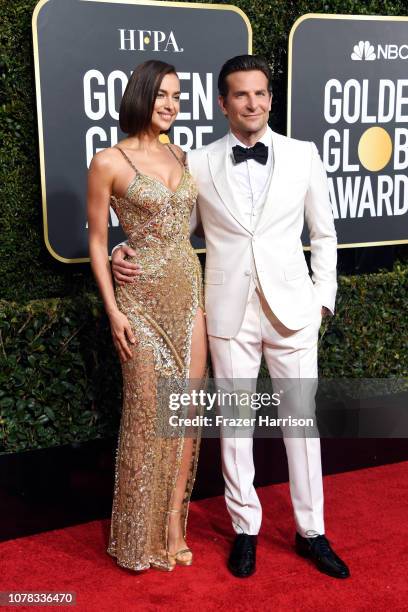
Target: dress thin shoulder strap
<point>127,159</point>
<point>181,162</point>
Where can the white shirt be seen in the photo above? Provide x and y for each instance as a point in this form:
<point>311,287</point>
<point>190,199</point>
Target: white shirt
<point>251,177</point>
<point>252,180</point>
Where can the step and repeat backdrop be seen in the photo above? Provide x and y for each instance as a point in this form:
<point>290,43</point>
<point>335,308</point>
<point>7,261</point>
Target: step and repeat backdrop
<point>85,52</point>
<point>348,92</point>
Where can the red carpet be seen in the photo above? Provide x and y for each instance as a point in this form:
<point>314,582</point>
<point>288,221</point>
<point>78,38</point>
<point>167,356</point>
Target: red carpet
<point>366,521</point>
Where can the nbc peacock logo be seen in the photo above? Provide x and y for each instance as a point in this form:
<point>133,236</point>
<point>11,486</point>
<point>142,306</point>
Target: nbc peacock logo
<point>364,50</point>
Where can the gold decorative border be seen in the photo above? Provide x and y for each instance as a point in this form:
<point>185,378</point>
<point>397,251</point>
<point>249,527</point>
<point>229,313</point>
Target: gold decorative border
<point>289,97</point>
<point>41,3</point>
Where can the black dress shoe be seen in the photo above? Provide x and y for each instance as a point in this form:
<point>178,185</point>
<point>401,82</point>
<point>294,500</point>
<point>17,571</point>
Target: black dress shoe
<point>242,559</point>
<point>323,556</point>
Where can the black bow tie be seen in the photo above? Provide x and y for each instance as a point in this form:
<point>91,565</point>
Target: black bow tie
<point>258,152</point>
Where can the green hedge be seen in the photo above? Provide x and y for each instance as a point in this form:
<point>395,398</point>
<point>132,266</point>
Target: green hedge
<point>368,337</point>
<point>60,378</point>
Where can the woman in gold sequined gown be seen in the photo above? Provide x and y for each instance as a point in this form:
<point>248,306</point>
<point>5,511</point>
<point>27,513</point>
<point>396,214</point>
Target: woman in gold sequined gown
<point>157,321</point>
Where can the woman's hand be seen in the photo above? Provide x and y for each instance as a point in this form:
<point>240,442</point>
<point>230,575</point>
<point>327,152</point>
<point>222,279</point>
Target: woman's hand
<point>122,334</point>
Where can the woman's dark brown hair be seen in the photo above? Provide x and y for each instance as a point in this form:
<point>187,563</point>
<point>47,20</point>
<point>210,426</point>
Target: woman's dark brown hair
<point>136,107</point>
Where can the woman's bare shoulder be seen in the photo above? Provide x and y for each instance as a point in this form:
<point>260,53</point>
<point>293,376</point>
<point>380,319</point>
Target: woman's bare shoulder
<point>105,161</point>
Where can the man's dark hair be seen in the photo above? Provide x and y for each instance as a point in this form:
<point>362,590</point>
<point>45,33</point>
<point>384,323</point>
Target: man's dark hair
<point>136,107</point>
<point>239,63</point>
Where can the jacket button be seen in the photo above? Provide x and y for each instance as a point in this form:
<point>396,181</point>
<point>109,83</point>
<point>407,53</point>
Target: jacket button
<point>247,272</point>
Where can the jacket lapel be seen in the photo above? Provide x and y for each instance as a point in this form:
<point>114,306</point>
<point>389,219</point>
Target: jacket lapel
<point>217,161</point>
<point>271,200</point>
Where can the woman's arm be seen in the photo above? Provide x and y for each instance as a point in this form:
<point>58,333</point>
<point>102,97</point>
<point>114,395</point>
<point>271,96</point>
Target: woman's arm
<point>100,180</point>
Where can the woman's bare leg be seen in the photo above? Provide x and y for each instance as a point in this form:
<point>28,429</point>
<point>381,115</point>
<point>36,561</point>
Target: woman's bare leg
<point>197,369</point>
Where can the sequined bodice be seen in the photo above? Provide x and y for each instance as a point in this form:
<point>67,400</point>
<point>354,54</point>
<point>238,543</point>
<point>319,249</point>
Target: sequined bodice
<point>150,212</point>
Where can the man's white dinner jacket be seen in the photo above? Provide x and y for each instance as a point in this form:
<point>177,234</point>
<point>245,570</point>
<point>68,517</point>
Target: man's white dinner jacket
<point>298,192</point>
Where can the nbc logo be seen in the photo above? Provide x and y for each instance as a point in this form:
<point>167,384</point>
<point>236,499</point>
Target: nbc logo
<point>363,51</point>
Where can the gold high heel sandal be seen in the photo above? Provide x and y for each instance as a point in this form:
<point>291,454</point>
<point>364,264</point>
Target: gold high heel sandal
<point>179,557</point>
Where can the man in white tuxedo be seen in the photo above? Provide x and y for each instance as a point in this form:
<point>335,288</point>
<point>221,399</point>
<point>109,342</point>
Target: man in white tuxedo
<point>256,188</point>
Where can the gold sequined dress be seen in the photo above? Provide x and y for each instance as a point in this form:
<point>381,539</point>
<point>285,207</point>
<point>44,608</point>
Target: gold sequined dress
<point>160,305</point>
